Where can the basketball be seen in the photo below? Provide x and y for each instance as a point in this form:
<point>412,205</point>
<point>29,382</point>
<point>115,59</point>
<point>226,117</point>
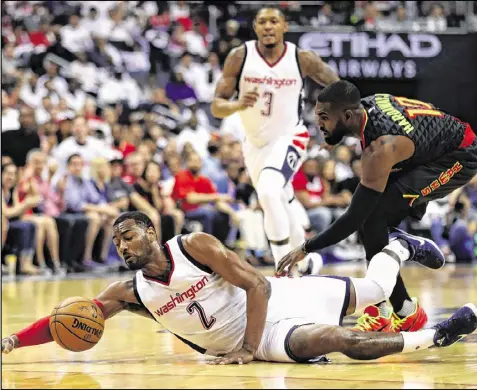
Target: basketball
<point>77,324</point>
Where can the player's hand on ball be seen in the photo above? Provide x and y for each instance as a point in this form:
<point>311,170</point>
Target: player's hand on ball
<point>8,345</point>
<point>249,99</point>
<point>289,261</point>
<point>240,357</point>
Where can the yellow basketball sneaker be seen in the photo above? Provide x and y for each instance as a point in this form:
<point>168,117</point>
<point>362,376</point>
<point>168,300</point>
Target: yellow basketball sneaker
<point>371,321</point>
<point>412,323</point>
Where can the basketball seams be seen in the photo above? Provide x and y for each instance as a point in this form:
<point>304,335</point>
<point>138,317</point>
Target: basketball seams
<point>85,318</point>
<point>72,303</point>
<point>58,335</point>
<point>60,311</point>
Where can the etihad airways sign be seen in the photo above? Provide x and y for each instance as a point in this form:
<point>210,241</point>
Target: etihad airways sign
<point>373,55</point>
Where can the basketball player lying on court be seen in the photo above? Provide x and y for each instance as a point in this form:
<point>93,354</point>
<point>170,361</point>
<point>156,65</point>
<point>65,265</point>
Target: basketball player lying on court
<point>220,305</point>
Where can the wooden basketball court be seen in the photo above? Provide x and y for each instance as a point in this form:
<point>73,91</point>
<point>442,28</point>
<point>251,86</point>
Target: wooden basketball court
<point>135,353</point>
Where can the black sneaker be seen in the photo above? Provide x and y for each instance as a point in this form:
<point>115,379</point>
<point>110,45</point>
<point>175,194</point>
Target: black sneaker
<point>462,323</point>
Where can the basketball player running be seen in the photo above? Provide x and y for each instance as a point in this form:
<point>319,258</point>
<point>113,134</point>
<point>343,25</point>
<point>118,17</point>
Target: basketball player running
<point>269,77</point>
<point>221,306</point>
<point>412,153</point>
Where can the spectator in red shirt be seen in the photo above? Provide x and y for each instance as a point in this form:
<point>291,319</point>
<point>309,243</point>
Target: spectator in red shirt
<point>135,166</point>
<point>314,194</point>
<point>197,195</point>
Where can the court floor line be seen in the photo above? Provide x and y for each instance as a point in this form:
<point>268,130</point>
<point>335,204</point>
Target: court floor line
<point>247,376</point>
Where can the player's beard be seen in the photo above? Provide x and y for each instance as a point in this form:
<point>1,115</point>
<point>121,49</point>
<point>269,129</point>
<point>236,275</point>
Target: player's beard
<point>142,260</point>
<point>338,134</point>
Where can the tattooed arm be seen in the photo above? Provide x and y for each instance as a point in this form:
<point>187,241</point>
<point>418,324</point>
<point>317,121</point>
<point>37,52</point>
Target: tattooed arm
<point>312,66</point>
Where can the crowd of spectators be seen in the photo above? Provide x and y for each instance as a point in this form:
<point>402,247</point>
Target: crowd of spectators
<point>105,108</point>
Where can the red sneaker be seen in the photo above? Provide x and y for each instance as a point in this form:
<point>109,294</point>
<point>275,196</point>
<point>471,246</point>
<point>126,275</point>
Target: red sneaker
<point>371,321</point>
<point>411,323</point>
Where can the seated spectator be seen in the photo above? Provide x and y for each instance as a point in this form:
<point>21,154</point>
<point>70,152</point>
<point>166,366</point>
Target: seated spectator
<point>44,214</point>
<point>58,82</point>
<point>21,234</point>
<point>75,37</point>
<point>81,143</point>
<point>178,90</point>
<point>81,197</point>
<point>310,190</point>
<point>149,188</point>
<point>196,135</point>
<point>135,167</point>
<point>10,115</point>
<point>214,165</point>
<point>436,21</point>
<point>17,143</point>
<point>198,197</point>
<point>29,92</point>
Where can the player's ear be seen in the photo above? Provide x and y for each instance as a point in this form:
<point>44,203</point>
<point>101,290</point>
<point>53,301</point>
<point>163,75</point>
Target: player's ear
<point>348,114</point>
<point>151,234</point>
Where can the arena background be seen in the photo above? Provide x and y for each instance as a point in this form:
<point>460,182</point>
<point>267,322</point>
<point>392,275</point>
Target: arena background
<point>125,87</point>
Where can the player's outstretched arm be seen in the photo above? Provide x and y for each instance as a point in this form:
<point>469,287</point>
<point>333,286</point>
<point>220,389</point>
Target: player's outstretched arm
<point>221,105</point>
<point>377,160</point>
<point>117,297</point>
<point>209,251</point>
<point>314,67</point>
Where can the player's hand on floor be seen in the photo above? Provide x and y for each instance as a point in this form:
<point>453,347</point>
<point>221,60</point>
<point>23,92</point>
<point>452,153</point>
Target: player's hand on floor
<point>240,357</point>
<point>290,260</point>
<point>8,345</point>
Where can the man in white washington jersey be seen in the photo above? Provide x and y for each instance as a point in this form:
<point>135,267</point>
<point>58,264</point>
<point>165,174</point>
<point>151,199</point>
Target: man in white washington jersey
<point>220,305</point>
<point>269,77</point>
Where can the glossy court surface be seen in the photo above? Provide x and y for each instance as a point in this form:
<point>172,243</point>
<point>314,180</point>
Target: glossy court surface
<point>135,353</point>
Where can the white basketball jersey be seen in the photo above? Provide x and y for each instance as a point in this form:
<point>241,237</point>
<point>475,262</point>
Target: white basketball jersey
<point>280,86</point>
<point>197,305</point>
<point>210,315</point>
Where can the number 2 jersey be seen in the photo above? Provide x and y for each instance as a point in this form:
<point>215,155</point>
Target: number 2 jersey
<point>210,314</point>
<point>434,132</point>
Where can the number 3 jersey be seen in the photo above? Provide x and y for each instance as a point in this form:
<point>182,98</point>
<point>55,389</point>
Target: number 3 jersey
<point>433,131</point>
<point>280,86</point>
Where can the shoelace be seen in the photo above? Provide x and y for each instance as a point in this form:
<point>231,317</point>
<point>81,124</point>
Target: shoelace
<point>366,322</point>
<point>397,323</point>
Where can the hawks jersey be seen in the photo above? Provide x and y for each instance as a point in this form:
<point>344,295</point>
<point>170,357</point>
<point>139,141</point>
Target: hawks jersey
<point>433,132</point>
<point>280,86</point>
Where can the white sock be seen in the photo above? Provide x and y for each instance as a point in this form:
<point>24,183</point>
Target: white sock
<point>408,307</point>
<point>279,251</point>
<point>399,249</point>
<point>383,270</point>
<point>415,341</point>
<point>384,310</point>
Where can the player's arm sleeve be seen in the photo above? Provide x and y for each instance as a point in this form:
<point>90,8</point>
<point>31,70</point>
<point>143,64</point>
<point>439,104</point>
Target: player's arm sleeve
<point>363,203</point>
<point>377,162</point>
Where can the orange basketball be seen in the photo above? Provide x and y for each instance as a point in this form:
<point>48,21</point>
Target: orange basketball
<point>77,324</point>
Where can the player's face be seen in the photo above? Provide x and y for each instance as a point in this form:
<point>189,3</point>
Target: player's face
<point>332,124</point>
<point>133,244</point>
<point>270,26</point>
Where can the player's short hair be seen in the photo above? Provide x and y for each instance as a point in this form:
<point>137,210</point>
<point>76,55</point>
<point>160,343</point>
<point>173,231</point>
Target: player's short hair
<point>141,219</point>
<point>341,94</point>
<point>271,6</point>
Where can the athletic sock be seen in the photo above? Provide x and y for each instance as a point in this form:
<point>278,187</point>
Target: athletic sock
<point>414,341</point>
<point>408,308</point>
